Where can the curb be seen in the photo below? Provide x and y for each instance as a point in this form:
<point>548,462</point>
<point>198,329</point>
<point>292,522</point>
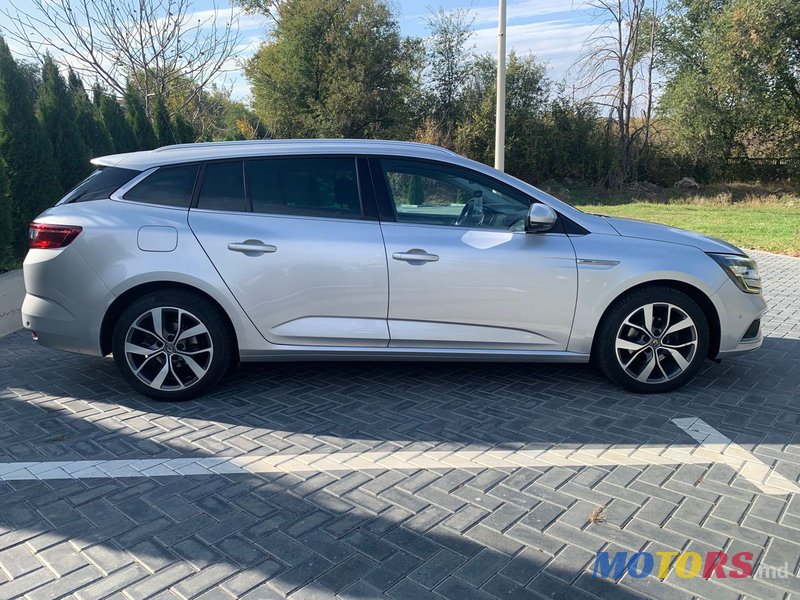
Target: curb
<point>749,250</point>
<point>12,292</point>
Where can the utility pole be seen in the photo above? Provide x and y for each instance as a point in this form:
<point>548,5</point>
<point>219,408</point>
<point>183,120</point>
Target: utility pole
<point>500,118</point>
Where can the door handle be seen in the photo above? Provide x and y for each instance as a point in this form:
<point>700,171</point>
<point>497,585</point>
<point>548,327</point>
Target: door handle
<point>252,247</point>
<point>415,255</point>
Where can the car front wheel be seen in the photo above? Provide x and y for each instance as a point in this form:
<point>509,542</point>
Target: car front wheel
<point>652,340</point>
<point>172,345</point>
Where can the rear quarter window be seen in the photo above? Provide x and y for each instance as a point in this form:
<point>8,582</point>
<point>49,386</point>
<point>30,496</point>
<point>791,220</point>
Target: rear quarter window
<point>168,186</point>
<point>99,185</point>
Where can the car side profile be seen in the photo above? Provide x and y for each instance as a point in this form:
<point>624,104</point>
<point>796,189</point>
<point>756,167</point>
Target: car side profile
<point>186,260</point>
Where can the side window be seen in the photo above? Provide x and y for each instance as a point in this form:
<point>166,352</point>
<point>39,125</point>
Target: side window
<point>322,187</point>
<point>99,185</point>
<point>429,193</point>
<point>223,187</point>
<point>168,186</point>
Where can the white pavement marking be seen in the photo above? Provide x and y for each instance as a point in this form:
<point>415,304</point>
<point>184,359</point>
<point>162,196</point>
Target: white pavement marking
<point>714,448</point>
<point>720,449</point>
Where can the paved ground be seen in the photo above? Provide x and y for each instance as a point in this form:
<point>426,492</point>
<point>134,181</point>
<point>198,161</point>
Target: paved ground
<point>404,531</point>
<point>12,291</point>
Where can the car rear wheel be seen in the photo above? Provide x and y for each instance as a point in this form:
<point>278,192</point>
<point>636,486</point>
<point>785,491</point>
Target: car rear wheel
<point>652,340</point>
<point>172,345</point>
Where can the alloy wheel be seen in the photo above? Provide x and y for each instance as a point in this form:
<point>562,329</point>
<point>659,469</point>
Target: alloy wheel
<point>656,342</point>
<point>168,348</point>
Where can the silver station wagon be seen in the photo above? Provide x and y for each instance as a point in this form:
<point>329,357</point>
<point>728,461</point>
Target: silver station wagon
<point>185,260</point>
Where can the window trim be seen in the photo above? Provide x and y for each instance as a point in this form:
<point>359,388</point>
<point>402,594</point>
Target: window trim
<point>386,206</point>
<point>366,189</point>
<point>119,194</point>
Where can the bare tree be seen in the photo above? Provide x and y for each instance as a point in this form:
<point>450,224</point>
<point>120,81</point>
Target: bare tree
<point>650,69</point>
<point>162,47</point>
<point>616,71</point>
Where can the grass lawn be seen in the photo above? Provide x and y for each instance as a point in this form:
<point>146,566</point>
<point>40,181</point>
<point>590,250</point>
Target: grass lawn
<point>751,216</point>
<point>760,227</point>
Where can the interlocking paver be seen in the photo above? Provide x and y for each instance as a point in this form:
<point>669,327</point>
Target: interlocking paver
<point>61,559</point>
<point>248,579</point>
<point>400,531</point>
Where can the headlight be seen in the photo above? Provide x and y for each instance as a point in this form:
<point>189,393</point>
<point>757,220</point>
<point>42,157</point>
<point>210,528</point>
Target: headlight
<point>742,270</point>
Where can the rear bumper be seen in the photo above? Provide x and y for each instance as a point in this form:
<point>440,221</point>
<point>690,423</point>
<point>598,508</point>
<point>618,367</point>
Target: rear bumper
<point>55,327</point>
<point>65,300</point>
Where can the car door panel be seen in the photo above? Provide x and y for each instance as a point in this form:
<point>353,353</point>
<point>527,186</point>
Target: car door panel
<point>486,290</point>
<point>325,283</point>
<point>462,270</point>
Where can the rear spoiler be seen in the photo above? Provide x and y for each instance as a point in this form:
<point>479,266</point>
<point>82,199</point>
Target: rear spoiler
<point>110,160</point>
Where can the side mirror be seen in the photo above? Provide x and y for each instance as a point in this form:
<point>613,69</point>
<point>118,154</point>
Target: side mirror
<point>541,218</point>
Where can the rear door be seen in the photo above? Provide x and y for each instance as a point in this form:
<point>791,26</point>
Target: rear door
<point>299,246</point>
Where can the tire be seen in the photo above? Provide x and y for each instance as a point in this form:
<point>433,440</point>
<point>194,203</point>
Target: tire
<point>661,359</point>
<point>172,366</point>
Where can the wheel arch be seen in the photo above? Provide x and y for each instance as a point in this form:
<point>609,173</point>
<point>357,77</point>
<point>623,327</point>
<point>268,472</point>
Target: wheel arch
<point>696,294</point>
<point>125,299</point>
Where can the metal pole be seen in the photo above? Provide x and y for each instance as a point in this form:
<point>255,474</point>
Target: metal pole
<point>500,119</point>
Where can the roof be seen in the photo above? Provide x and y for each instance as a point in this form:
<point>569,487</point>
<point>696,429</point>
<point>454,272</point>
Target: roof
<point>182,153</point>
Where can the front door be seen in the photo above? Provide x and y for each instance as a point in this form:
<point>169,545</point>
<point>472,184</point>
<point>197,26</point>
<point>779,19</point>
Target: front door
<point>290,238</point>
<point>462,271</point>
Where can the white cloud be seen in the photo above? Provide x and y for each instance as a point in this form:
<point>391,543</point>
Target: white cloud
<point>523,9</point>
<point>241,89</point>
<point>220,17</point>
<point>527,9</point>
<point>558,42</point>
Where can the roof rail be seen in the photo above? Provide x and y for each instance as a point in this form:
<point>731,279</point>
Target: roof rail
<point>300,141</point>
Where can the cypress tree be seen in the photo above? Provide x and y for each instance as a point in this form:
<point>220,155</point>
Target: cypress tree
<point>90,123</point>
<point>138,119</point>
<point>122,137</point>
<point>56,111</point>
<point>31,170</point>
<point>6,254</point>
<point>97,94</point>
<point>161,123</point>
<point>184,132</point>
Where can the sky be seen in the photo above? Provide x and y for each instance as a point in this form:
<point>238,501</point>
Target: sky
<point>553,30</point>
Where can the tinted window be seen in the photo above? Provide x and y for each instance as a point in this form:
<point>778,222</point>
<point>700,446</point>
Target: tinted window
<point>425,192</point>
<point>223,187</point>
<point>168,186</point>
<point>325,187</point>
<point>99,185</point>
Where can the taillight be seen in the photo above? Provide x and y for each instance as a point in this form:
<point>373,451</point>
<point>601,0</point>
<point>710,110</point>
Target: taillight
<point>46,236</point>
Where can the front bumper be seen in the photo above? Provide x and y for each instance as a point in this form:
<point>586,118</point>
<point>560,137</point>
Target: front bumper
<point>737,313</point>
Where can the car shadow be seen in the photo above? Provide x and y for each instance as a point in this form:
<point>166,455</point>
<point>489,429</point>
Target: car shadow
<point>345,532</point>
<point>493,404</point>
